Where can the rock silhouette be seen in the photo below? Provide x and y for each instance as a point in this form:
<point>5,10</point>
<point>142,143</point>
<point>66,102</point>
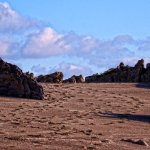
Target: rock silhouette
<point>56,77</point>
<point>13,82</point>
<point>123,74</point>
<point>75,79</point>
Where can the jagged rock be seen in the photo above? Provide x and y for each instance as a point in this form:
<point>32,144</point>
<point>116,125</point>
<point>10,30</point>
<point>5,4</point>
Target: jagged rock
<point>140,64</point>
<point>146,76</point>
<point>31,75</point>
<point>137,71</point>
<point>13,82</point>
<point>148,66</point>
<point>93,78</point>
<point>70,80</point>
<point>56,77</point>
<point>121,66</point>
<point>123,74</point>
<point>79,79</point>
<point>75,79</point>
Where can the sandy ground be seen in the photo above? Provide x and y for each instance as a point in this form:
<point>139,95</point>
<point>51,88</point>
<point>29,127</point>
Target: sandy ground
<point>77,117</point>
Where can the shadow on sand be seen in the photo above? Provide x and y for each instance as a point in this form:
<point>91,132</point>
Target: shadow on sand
<point>142,118</point>
<point>143,85</point>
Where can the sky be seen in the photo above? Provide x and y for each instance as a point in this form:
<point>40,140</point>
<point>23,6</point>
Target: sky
<point>74,36</point>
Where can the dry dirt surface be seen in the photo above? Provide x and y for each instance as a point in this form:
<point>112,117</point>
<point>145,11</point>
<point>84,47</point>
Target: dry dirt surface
<point>78,117</point>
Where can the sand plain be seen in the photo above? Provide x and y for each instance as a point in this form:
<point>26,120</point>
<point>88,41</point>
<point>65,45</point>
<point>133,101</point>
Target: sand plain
<point>78,117</point>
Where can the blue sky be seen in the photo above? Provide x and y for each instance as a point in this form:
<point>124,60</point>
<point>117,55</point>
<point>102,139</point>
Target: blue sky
<point>101,18</point>
<point>74,36</point>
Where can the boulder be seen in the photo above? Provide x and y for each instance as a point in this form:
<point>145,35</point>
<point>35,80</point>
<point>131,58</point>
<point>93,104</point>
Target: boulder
<point>148,66</point>
<point>56,77</point>
<point>75,79</point>
<point>79,79</point>
<point>137,71</point>
<point>146,76</point>
<point>70,80</point>
<point>13,82</point>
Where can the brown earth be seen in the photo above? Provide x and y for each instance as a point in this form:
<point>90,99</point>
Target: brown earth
<point>78,117</point>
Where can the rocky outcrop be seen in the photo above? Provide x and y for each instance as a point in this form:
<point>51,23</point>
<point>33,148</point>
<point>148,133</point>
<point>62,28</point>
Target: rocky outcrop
<point>75,79</point>
<point>56,77</point>
<point>123,73</point>
<point>70,80</point>
<point>146,76</point>
<point>13,82</point>
<point>79,79</point>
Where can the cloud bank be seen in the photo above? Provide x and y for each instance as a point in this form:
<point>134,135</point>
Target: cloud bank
<point>11,21</point>
<point>46,42</point>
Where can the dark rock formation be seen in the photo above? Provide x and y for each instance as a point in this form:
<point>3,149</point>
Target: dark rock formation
<point>74,79</point>
<point>79,79</point>
<point>56,77</point>
<point>123,74</point>
<point>13,82</point>
<point>146,76</point>
<point>70,80</point>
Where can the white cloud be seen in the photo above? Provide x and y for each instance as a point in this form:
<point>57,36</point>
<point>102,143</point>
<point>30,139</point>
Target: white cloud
<point>4,48</point>
<point>46,43</point>
<point>101,53</point>
<point>8,48</point>
<point>11,21</point>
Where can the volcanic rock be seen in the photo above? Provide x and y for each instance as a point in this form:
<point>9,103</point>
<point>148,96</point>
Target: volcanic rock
<point>70,80</point>
<point>75,79</point>
<point>13,82</point>
<point>148,66</point>
<point>123,74</point>
<point>56,77</point>
<point>146,76</point>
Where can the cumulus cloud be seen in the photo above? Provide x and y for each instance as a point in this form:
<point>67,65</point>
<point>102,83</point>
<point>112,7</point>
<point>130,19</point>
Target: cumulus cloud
<point>11,21</point>
<point>44,44</point>
<point>4,49</point>
<point>101,53</point>
<point>8,48</point>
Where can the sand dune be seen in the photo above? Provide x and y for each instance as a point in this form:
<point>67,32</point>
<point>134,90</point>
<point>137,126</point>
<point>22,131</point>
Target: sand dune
<point>78,117</point>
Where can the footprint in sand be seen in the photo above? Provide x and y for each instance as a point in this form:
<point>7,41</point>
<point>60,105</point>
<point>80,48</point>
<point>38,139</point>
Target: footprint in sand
<point>87,131</point>
<point>91,147</point>
<point>80,100</point>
